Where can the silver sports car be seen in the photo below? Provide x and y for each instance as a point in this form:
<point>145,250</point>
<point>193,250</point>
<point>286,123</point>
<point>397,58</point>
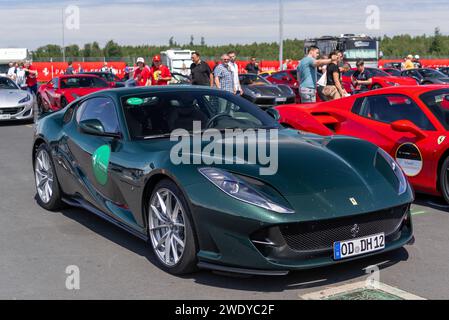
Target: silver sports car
<point>15,103</point>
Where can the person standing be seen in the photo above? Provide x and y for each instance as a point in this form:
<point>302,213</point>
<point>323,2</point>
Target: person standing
<point>224,78</point>
<point>160,74</point>
<point>252,66</point>
<point>408,64</point>
<point>235,72</point>
<point>12,70</point>
<point>200,71</point>
<point>334,88</point>
<point>70,69</point>
<point>142,74</point>
<point>361,79</point>
<point>20,76</point>
<point>307,74</point>
<point>31,77</point>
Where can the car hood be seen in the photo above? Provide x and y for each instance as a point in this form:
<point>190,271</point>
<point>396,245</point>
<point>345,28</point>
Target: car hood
<point>11,98</point>
<point>320,176</point>
<point>401,80</point>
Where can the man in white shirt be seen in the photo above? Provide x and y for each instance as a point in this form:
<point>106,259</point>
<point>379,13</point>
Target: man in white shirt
<point>12,71</point>
<point>235,70</point>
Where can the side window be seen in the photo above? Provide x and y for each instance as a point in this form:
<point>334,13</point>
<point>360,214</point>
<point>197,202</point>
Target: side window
<point>102,109</point>
<point>280,75</point>
<point>391,108</point>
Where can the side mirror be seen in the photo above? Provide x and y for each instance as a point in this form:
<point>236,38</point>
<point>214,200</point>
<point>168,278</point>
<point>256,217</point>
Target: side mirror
<point>408,126</point>
<point>95,127</point>
<point>274,114</point>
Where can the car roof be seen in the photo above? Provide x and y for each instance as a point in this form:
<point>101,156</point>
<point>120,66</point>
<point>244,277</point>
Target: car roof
<point>81,75</point>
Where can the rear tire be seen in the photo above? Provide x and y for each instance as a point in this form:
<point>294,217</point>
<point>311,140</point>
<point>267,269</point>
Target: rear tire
<point>170,230</point>
<point>48,191</point>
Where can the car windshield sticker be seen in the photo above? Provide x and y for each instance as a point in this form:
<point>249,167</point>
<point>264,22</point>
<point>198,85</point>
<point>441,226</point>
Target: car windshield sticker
<point>135,101</point>
<point>410,159</point>
<point>100,163</point>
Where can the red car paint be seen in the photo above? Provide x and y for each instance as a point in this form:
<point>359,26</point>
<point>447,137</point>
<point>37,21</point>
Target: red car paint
<point>381,79</point>
<point>342,117</point>
<point>55,94</point>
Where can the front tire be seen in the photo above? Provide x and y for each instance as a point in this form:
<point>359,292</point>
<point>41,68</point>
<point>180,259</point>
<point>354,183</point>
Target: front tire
<point>170,229</point>
<point>47,185</point>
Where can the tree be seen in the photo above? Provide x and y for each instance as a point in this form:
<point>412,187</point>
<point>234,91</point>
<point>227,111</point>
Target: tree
<point>436,47</point>
<point>171,42</point>
<point>87,51</point>
<point>112,49</point>
<point>96,50</point>
<point>191,40</point>
<point>203,42</point>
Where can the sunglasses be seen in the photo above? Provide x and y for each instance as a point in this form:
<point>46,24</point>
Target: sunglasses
<point>226,59</point>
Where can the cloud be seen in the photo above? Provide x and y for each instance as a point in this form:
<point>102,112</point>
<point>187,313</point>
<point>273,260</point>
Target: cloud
<point>31,24</point>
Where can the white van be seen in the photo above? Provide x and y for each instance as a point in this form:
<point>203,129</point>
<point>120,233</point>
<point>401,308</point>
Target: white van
<point>177,60</point>
<point>8,55</point>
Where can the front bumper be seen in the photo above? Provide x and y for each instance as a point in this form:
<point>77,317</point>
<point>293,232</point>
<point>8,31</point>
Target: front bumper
<point>265,102</point>
<point>246,246</point>
<point>20,112</point>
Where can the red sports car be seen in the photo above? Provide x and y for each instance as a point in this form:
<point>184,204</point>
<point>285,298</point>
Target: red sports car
<point>381,79</point>
<point>60,91</point>
<point>409,122</point>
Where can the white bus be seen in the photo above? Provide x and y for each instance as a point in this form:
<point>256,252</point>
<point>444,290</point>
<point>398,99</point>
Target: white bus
<point>177,60</point>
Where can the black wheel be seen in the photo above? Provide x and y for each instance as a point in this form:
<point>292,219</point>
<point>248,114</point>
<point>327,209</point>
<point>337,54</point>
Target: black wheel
<point>63,102</point>
<point>444,179</point>
<point>40,104</point>
<point>170,230</point>
<point>47,185</point>
<point>376,86</point>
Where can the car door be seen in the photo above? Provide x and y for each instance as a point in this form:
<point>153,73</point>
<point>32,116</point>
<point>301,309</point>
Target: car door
<point>375,115</point>
<point>92,155</point>
<point>51,91</point>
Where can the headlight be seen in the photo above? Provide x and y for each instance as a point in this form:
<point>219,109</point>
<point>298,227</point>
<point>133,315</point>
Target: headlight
<point>240,190</point>
<point>26,99</point>
<point>402,180</point>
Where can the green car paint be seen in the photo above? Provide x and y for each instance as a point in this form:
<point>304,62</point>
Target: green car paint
<point>100,163</point>
<point>317,178</point>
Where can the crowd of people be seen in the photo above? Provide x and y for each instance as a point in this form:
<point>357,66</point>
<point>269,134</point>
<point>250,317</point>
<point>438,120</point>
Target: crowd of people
<point>24,75</point>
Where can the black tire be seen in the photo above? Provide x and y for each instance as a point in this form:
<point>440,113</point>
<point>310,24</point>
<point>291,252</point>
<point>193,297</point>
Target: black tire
<point>40,104</point>
<point>188,260</point>
<point>55,201</point>
<point>63,102</point>
<point>444,179</point>
<point>376,87</point>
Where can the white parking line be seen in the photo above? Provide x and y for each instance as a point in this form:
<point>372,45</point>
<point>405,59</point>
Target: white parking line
<point>362,285</point>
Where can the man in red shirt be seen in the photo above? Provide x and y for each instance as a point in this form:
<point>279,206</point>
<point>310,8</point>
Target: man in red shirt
<point>160,75</point>
<point>31,77</point>
<point>142,74</point>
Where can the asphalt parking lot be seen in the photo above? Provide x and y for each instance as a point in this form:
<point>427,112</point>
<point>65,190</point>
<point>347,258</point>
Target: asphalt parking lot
<point>37,246</point>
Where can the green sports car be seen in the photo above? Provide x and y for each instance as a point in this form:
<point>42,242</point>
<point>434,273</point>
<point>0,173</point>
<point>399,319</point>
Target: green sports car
<point>187,169</point>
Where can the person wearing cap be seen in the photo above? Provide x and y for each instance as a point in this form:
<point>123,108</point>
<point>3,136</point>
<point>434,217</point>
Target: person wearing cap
<point>160,74</point>
<point>416,62</point>
<point>142,74</point>
<point>361,80</point>
<point>408,64</point>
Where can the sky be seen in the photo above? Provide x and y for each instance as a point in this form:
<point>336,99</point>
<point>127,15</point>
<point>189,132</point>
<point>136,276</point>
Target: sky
<point>31,23</point>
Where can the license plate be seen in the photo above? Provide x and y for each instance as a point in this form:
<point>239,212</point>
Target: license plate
<point>5,116</point>
<point>281,99</point>
<point>356,247</point>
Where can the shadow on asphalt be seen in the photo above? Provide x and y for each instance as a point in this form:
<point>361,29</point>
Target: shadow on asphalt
<point>15,123</point>
<point>437,203</point>
<point>295,280</point>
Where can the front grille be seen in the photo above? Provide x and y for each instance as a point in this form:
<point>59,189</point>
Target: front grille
<point>321,235</point>
<point>11,111</point>
<point>265,101</point>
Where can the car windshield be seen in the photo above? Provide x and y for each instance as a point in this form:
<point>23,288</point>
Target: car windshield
<point>252,79</point>
<point>7,84</point>
<point>430,73</point>
<point>378,73</point>
<point>153,115</point>
<point>83,82</point>
<point>394,72</point>
<point>438,102</point>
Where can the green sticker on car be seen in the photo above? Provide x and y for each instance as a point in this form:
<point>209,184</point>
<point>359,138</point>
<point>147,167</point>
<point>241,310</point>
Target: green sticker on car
<point>100,163</point>
<point>135,101</point>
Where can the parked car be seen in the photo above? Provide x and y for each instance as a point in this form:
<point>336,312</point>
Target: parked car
<point>60,91</point>
<point>15,103</point>
<point>444,70</point>
<point>393,72</point>
<point>380,78</point>
<point>411,123</point>
<point>263,93</point>
<point>325,200</point>
<point>426,76</point>
<point>180,79</point>
<point>112,79</point>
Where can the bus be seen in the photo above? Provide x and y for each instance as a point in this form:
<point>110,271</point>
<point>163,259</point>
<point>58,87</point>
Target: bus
<point>353,47</point>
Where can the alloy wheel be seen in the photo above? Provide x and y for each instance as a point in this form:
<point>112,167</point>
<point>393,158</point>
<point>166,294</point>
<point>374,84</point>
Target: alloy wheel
<point>44,176</point>
<point>167,227</point>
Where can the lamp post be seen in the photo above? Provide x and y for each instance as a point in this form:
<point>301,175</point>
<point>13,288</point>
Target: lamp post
<point>281,34</point>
